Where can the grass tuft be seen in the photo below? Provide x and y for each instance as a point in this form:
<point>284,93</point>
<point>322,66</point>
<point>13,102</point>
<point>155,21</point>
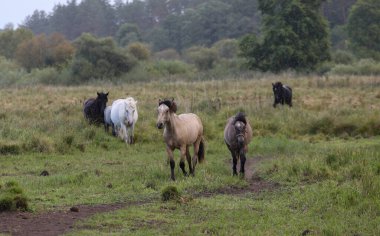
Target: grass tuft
<point>170,193</point>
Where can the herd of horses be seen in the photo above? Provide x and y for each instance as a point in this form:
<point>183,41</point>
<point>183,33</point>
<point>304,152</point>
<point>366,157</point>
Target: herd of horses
<point>179,131</point>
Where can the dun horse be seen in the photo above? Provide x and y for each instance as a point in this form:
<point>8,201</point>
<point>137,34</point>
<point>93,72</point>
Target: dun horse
<point>180,132</point>
<point>282,94</point>
<point>237,135</point>
<point>93,108</point>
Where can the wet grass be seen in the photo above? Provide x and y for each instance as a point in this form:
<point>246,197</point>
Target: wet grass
<point>324,153</point>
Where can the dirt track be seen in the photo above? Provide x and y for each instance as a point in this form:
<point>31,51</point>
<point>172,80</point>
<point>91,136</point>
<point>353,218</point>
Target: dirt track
<point>60,222</point>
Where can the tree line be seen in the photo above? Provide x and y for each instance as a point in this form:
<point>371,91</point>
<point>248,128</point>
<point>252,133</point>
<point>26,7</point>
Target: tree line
<point>272,35</point>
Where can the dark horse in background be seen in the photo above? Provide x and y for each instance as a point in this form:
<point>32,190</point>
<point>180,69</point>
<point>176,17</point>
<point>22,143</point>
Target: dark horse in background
<point>93,108</point>
<point>237,136</point>
<point>282,94</point>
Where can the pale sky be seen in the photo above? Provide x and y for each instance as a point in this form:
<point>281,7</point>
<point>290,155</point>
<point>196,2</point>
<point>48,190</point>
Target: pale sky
<point>15,11</point>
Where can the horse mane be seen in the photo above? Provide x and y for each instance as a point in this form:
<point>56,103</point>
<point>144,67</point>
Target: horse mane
<point>131,102</point>
<point>170,103</point>
<point>240,117</point>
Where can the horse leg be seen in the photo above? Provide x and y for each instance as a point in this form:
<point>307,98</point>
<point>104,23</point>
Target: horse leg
<point>242,162</point>
<point>171,160</point>
<point>188,157</point>
<point>124,134</point>
<point>195,157</point>
<point>234,162</point>
<point>113,129</point>
<point>132,139</point>
<point>182,162</point>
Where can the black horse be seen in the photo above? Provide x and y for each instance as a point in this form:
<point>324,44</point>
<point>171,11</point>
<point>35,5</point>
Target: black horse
<point>282,94</point>
<point>93,108</point>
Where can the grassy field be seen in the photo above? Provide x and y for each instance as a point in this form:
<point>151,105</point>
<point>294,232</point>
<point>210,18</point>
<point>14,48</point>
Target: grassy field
<point>324,153</point>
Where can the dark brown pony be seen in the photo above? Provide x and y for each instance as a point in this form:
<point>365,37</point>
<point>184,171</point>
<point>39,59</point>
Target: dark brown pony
<point>180,132</point>
<point>93,108</point>
<point>237,135</point>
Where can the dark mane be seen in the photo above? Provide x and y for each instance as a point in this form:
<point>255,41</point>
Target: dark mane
<point>170,103</point>
<point>240,117</point>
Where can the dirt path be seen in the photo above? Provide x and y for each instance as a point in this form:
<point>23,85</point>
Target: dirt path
<point>59,222</point>
<point>53,222</point>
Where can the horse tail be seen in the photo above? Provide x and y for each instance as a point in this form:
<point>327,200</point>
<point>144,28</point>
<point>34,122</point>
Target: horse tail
<point>201,151</point>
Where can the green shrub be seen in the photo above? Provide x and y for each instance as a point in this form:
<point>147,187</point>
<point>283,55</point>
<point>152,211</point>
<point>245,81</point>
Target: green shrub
<point>139,51</point>
<point>343,57</point>
<point>170,193</point>
<point>167,54</point>
<point>9,148</point>
<point>362,67</point>
<point>202,58</point>
<point>12,197</point>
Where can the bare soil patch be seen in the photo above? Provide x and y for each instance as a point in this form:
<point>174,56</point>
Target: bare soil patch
<point>50,223</point>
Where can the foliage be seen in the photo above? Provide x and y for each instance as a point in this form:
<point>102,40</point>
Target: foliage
<point>227,48</point>
<point>170,193</point>
<point>12,197</point>
<point>98,58</point>
<point>342,57</point>
<point>361,67</point>
<point>364,29</point>
<point>10,40</point>
<point>167,54</point>
<point>41,51</point>
<point>127,33</point>
<point>202,58</point>
<point>139,51</point>
<point>295,36</point>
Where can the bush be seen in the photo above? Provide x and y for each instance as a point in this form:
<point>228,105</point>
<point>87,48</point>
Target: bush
<point>9,148</point>
<point>170,193</point>
<point>202,58</point>
<point>343,57</point>
<point>168,54</point>
<point>12,197</point>
<point>227,48</point>
<point>164,67</point>
<point>362,67</point>
<point>139,51</point>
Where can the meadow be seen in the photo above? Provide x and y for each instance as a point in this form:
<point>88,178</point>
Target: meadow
<point>322,157</point>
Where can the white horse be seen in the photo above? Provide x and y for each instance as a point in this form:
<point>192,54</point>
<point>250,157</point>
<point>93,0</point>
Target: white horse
<point>124,117</point>
<point>107,119</point>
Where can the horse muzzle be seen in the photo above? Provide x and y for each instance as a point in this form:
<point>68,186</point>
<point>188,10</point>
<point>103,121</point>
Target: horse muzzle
<point>240,141</point>
<point>160,125</point>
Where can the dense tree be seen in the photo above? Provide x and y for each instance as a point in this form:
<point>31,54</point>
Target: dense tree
<point>41,51</point>
<point>38,22</point>
<point>364,28</point>
<point>127,33</point>
<point>98,58</point>
<point>294,36</point>
<point>10,39</point>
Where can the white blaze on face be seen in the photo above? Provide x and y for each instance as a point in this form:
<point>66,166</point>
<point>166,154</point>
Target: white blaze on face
<point>162,115</point>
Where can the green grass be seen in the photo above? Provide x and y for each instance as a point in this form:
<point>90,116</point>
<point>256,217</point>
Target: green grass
<point>324,152</point>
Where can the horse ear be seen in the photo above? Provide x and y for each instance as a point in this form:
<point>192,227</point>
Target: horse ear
<point>98,93</point>
<point>173,107</point>
<point>159,100</point>
<point>172,99</point>
<point>107,93</point>
<point>273,84</point>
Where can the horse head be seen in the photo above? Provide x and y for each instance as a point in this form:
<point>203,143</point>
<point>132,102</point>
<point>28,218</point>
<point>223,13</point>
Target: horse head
<point>164,110</point>
<point>239,123</point>
<point>102,99</point>
<point>130,109</point>
<point>277,91</point>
